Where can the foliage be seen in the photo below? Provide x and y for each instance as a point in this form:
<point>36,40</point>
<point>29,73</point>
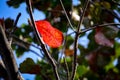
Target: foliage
<point>51,36</point>
<point>95,62</point>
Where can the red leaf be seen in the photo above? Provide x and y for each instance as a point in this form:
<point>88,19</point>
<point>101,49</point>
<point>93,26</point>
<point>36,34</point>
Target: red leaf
<point>102,40</point>
<point>51,36</point>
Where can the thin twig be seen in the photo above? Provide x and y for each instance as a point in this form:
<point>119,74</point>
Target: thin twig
<point>64,45</point>
<point>16,21</point>
<point>74,66</point>
<point>24,42</point>
<point>67,70</point>
<point>47,54</point>
<point>17,43</point>
<point>67,16</point>
<point>14,27</point>
<point>96,26</point>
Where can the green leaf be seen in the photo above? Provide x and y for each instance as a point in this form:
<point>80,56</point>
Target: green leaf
<point>118,34</point>
<point>81,70</point>
<point>69,42</point>
<point>19,51</point>
<point>92,44</point>
<point>117,49</point>
<point>38,77</point>
<point>14,3</point>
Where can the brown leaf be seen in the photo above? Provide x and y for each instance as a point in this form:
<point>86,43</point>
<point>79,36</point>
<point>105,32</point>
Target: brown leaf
<point>102,40</point>
<point>69,52</point>
<point>28,66</point>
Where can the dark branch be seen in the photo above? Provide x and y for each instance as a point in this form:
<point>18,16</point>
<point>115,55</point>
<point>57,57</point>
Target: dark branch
<point>14,28</point>
<point>3,71</point>
<point>8,57</point>
<point>47,54</point>
<point>24,42</point>
<point>96,26</point>
<point>67,16</point>
<point>74,66</point>
<point>16,21</point>
<point>25,45</point>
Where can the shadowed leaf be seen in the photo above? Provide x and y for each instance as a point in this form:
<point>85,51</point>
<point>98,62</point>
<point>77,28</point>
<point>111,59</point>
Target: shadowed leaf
<point>28,66</point>
<point>102,40</point>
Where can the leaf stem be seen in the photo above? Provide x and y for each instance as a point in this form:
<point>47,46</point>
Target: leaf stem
<point>47,54</point>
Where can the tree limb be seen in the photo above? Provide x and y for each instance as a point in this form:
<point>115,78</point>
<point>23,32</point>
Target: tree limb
<point>47,54</point>
<point>96,26</point>
<point>74,66</point>
<point>8,57</point>
<point>3,71</point>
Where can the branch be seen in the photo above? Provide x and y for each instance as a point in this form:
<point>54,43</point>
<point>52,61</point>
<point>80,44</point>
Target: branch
<point>96,26</point>
<point>25,45</point>
<point>67,16</point>
<point>16,21</point>
<point>8,57</point>
<point>3,71</point>
<point>67,69</point>
<point>24,42</point>
<point>14,28</point>
<point>47,54</point>
<point>74,66</point>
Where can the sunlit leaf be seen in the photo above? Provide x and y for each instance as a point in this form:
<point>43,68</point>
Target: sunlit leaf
<point>51,36</point>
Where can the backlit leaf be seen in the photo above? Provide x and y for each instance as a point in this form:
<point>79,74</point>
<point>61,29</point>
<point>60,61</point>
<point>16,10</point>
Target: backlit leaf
<point>51,36</point>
